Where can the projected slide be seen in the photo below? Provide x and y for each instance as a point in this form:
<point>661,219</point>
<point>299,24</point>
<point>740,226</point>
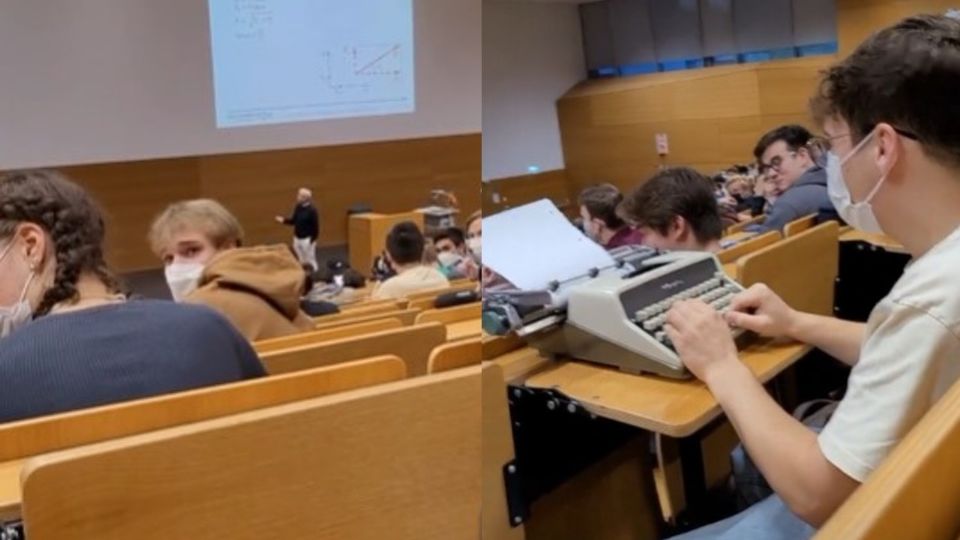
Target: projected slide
<point>277,61</point>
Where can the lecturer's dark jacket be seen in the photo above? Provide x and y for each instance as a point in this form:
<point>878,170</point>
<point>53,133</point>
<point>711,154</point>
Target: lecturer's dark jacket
<point>305,221</point>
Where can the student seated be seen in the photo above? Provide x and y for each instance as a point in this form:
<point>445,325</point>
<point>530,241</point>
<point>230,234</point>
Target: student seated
<point>890,110</point>
<point>309,304</point>
<point>257,288</point>
<point>405,256</point>
<point>471,266</point>
<point>676,210</point>
<point>598,208</point>
<point>726,205</point>
<point>337,283</point>
<point>785,158</point>
<point>741,188</point>
<point>770,191</point>
<point>69,339</point>
<point>451,248</point>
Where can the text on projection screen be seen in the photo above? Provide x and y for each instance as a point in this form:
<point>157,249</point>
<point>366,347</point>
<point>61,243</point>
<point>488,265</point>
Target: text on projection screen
<point>278,61</point>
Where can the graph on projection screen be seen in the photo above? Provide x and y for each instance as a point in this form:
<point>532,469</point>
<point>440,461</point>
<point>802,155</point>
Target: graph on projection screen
<point>278,61</point>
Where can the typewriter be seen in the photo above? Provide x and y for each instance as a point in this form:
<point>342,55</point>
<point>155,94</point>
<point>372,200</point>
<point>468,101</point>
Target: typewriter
<point>615,315</point>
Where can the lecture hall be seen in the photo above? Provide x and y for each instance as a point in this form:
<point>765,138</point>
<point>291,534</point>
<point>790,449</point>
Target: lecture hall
<point>718,268</point>
<point>239,269</point>
<point>245,290</point>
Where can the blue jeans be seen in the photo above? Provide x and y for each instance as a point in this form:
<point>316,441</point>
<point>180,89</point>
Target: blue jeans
<point>751,486</point>
<point>769,519</point>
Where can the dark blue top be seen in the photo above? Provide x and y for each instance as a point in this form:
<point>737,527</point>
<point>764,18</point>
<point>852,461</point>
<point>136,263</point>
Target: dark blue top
<point>118,352</point>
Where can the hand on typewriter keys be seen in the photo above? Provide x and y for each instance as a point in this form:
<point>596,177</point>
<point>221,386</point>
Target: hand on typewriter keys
<point>701,337</point>
<point>760,310</point>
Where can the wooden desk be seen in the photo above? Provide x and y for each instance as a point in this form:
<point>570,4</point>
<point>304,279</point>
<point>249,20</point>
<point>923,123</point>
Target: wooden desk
<point>669,407</point>
<point>520,364</point>
<point>367,234</point>
<point>737,237</point>
<point>10,490</point>
<point>878,240</point>
<point>457,331</point>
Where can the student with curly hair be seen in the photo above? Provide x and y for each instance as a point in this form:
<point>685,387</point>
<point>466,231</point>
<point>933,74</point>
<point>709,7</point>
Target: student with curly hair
<point>69,338</point>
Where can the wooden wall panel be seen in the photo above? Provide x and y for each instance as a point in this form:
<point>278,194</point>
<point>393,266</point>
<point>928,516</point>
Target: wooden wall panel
<point>392,176</point>
<point>785,88</point>
<point>713,118</point>
<point>857,19</point>
<point>131,194</point>
<point>520,190</point>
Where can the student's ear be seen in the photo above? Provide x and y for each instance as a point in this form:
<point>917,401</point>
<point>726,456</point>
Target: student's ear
<point>887,148</point>
<point>36,244</point>
<point>678,229</point>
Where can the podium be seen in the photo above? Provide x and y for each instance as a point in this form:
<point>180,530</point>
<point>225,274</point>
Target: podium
<point>367,235</point>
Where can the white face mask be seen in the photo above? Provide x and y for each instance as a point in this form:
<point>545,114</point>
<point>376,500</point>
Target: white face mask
<point>858,215</point>
<point>14,317</point>
<point>448,258</point>
<point>474,245</point>
<point>183,279</point>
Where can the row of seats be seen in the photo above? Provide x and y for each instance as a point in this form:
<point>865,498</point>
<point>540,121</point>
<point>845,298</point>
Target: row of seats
<point>369,405</point>
<point>274,458</point>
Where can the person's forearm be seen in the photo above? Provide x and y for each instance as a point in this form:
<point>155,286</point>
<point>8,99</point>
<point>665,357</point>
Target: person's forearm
<point>838,338</point>
<point>780,445</point>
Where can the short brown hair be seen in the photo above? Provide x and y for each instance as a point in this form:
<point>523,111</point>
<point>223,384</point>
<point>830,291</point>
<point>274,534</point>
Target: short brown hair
<point>906,75</point>
<point>405,243</point>
<point>601,202</point>
<point>794,136</point>
<point>453,234</point>
<point>204,215</point>
<point>679,191</point>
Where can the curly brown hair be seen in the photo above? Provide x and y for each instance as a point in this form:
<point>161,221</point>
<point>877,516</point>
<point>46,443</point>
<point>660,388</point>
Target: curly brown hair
<point>72,220</point>
<point>906,75</point>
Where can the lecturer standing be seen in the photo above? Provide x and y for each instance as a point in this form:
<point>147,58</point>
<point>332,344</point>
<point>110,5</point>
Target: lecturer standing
<point>306,228</point>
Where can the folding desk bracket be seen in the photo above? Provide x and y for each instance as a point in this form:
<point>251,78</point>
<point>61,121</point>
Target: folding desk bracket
<point>555,439</point>
<point>12,530</point>
<point>517,509</point>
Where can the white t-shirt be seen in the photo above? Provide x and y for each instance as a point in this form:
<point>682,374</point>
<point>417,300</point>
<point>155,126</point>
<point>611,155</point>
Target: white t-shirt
<point>410,281</point>
<point>909,358</point>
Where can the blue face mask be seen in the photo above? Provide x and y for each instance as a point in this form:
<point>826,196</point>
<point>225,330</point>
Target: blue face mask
<point>15,316</point>
<point>858,215</point>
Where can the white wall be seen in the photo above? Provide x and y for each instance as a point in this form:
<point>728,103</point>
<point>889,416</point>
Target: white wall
<point>532,54</point>
<point>110,80</point>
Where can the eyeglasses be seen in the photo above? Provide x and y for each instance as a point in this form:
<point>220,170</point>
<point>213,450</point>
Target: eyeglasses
<point>775,164</point>
<point>902,132</point>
